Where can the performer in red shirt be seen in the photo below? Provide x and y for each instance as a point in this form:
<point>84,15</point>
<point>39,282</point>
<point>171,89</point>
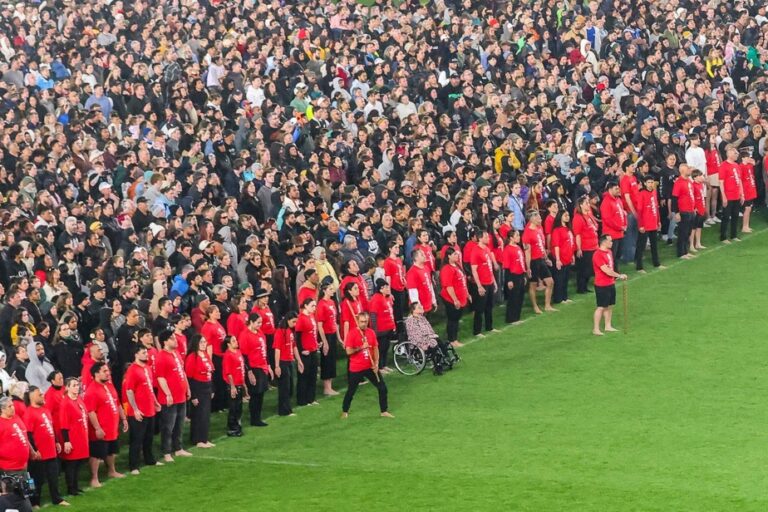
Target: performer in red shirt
<point>233,373</point>
<point>383,321</point>
<point>563,249</point>
<point>328,328</point>
<point>285,354</point>
<point>44,466</point>
<point>552,208</point>
<point>732,190</point>
<point>172,393</point>
<point>454,292</point>
<point>684,207</point>
<point>484,278</point>
<point>253,345</point>
<point>419,282</point>
<point>214,332</point>
<point>74,432</point>
<point>394,272</point>
<point>700,210</point>
<point>513,263</point>
<point>268,321</point>
<point>363,352</point>
<point>105,416</point>
<point>308,290</point>
<point>629,188</point>
<point>15,450</point>
<point>238,318</point>
<point>537,262</point>
<point>427,246</point>
<point>648,223</point>
<point>53,396</point>
<point>199,370</point>
<point>750,190</point>
<point>614,219</point>
<point>350,306</point>
<point>351,272</point>
<point>585,228</point>
<point>307,346</point>
<point>605,288</point>
<point>141,405</point>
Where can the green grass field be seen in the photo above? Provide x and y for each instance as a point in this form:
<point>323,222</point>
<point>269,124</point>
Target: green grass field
<point>542,417</point>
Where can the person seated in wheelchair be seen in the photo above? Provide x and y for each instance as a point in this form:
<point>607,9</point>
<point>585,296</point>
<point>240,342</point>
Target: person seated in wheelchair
<point>419,331</point>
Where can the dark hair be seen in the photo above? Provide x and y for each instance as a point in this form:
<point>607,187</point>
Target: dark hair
<point>96,368</point>
<point>559,219</point>
<point>291,315</point>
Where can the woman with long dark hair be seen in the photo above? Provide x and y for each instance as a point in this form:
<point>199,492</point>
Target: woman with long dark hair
<point>454,292</point>
<point>585,228</point>
<point>563,246</point>
<point>285,355</point>
<point>350,307</point>
<point>199,370</point>
<point>513,263</point>
<point>326,316</point>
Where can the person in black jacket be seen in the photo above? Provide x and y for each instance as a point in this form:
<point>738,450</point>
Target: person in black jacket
<point>67,349</point>
<point>7,315</point>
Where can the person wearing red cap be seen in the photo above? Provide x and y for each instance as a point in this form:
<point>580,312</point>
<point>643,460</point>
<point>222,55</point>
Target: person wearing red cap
<point>614,219</point>
<point>684,207</point>
<point>732,190</point>
<point>605,285</point>
<point>648,223</point>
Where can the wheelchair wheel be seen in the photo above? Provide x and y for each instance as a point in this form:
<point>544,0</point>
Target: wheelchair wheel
<point>409,358</point>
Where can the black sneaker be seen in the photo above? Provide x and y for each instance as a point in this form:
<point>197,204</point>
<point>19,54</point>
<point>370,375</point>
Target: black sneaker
<point>259,424</point>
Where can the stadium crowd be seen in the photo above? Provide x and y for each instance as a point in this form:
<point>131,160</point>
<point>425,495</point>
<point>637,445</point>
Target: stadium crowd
<point>202,199</point>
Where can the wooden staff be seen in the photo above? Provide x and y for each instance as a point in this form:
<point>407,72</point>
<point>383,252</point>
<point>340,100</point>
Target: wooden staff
<point>625,300</point>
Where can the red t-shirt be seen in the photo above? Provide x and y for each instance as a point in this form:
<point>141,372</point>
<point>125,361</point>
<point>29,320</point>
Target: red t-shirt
<point>363,297</point>
<point>198,367</point>
<point>430,256</point>
<point>19,408</point>
<point>713,161</point>
<point>325,314</point>
<point>232,365</point>
<point>394,269</point>
<point>730,175</point>
<point>456,248</point>
<point>214,334</point>
<point>102,399</point>
<point>534,237</point>
<point>170,367</point>
<point>74,418</point>
<point>602,257</point>
<point>483,260</point>
<point>349,311</point>
<point>181,344</point>
<point>628,185</point>
<point>139,380</point>
<point>648,210</point>
<point>267,319</point>
<point>305,292</point>
<point>420,279</point>
<point>383,308</point>
<point>253,345</point>
<point>699,198</point>
<point>14,445</point>
<point>53,399</point>
<point>748,181</point>
<point>513,259</point>
<point>306,331</point>
<point>87,363</point>
<point>453,276</point>
<point>549,223</point>
<point>236,323</point>
<point>360,361</point>
<point>564,240</point>
<point>614,217</point>
<point>586,227</point>
<point>284,342</point>
<point>469,247</point>
<point>40,424</point>
<point>683,191</point>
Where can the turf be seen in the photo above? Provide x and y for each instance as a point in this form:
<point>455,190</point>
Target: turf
<point>542,417</point>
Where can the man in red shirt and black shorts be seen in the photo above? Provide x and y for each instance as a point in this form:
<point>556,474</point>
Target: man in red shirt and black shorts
<point>105,416</point>
<point>605,287</point>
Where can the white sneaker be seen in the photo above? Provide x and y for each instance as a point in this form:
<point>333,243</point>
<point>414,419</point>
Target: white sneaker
<point>717,220</point>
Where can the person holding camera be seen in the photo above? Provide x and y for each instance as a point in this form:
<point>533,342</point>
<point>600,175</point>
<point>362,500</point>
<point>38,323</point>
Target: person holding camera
<point>42,438</point>
<point>13,494</point>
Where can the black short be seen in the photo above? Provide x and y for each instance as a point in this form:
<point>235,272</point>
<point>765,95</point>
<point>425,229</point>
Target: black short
<point>102,449</point>
<point>699,222</point>
<point>749,203</point>
<point>605,296</point>
<point>539,270</point>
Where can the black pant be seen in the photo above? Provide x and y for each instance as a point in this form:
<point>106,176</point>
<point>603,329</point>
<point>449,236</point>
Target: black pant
<point>483,310</point>
<point>383,339</point>
<point>642,239</point>
<point>730,219</point>
<point>400,307</point>
<point>452,319</point>
<point>200,414</point>
<point>684,228</point>
<point>43,471</point>
<point>355,378</point>
<point>285,388</point>
<point>72,474</point>
<point>584,271</point>
<point>306,381</point>
<point>514,296</point>
<point>560,290</point>
<point>220,391</point>
<point>618,243</point>
<point>171,424</point>
<point>328,361</point>
<point>140,441</point>
<point>257,395</point>
<point>235,410</point>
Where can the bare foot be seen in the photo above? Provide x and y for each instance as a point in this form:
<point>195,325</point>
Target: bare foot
<point>550,309</point>
<point>746,230</point>
<point>727,242</point>
<point>568,301</point>
<point>210,445</point>
<point>344,415</point>
<point>66,503</point>
<point>115,474</point>
<point>662,267</point>
<point>95,484</point>
<point>611,329</point>
<point>183,453</point>
<point>597,333</point>
<point>457,344</point>
<point>519,322</point>
<point>168,458</point>
<point>495,330</point>
<point>737,239</point>
<point>480,335</point>
<point>135,472</point>
<point>315,403</point>
<point>387,415</point>
<point>641,271</point>
<point>330,392</point>
<point>202,445</point>
<point>538,311</point>
<point>700,247</point>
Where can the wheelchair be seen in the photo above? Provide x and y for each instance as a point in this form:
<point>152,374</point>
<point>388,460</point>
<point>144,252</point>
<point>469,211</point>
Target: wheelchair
<point>411,359</point>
